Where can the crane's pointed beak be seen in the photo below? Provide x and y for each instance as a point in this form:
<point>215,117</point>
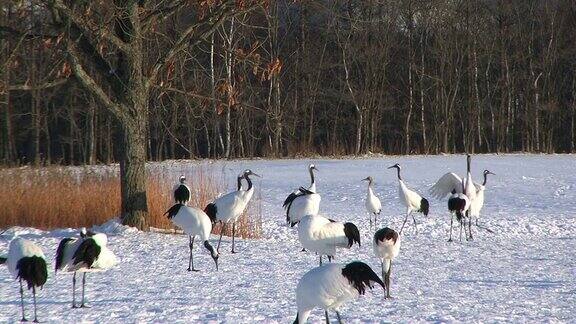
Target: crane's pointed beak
<point>391,167</point>
<point>365,179</point>
<point>215,258</point>
<point>254,174</point>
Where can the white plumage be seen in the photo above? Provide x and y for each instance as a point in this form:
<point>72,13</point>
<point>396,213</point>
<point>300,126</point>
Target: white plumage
<point>302,202</point>
<point>386,247</point>
<point>410,199</point>
<point>87,253</point>
<point>322,235</point>
<point>229,207</point>
<point>372,203</point>
<point>194,222</point>
<point>329,286</point>
<point>26,262</point>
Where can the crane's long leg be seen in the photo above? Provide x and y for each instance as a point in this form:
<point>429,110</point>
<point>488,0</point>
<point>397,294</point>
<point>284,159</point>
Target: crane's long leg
<point>326,314</point>
<point>233,235</point>
<point>330,258</point>
<point>220,239</point>
<point>34,298</point>
<point>415,225</point>
<point>470,227</point>
<point>405,219</point>
<point>74,290</point>
<point>339,317</point>
<point>370,215</point>
<point>191,260</point>
<point>383,272</point>
<point>83,289</point>
<point>451,222</point>
<point>22,302</point>
<point>320,259</point>
<point>387,280</point>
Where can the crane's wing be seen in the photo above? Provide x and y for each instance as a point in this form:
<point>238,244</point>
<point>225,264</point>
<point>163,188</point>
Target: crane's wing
<point>444,186</point>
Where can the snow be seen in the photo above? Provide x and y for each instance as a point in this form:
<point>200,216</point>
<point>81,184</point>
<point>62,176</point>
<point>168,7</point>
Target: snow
<point>525,272</point>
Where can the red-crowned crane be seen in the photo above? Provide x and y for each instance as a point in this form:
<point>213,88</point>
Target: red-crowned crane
<point>331,285</point>
<point>26,262</point>
<point>194,222</point>
<point>451,183</point>
<point>322,235</point>
<point>372,203</point>
<point>182,191</point>
<point>88,253</point>
<point>229,207</point>
<point>386,246</point>
<point>302,202</point>
<point>410,199</point>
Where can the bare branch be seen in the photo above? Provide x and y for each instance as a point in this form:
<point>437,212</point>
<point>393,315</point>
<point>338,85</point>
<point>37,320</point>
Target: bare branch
<point>91,85</point>
<point>28,87</point>
<point>101,31</point>
<point>214,21</point>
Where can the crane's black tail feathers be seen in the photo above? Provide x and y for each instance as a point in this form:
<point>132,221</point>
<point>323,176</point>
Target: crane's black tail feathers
<point>173,210</point>
<point>424,206</point>
<point>352,233</point>
<point>211,211</point>
<point>33,270</point>
<point>3,260</point>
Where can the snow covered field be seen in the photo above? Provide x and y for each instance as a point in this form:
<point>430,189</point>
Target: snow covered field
<point>525,272</point>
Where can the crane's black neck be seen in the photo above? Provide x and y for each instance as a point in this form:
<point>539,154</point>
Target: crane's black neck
<point>399,176</point>
<point>485,178</point>
<point>369,183</point>
<point>240,182</point>
<point>311,176</point>
<point>249,182</point>
<point>468,163</point>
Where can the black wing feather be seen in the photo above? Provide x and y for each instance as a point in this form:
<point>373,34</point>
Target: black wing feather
<point>87,252</point>
<point>60,253</point>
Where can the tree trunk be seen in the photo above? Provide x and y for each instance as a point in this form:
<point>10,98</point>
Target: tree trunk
<point>91,146</point>
<point>133,169</point>
<point>422,120</point>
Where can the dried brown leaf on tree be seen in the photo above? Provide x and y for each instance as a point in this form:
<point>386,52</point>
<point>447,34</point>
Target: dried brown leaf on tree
<point>47,43</point>
<point>273,68</point>
<point>65,71</point>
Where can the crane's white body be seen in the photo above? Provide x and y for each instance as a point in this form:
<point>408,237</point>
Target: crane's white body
<point>409,198</point>
<point>386,251</point>
<point>477,204</point>
<point>20,248</point>
<point>372,203</point>
<point>473,192</point>
<point>193,221</point>
<point>304,205</point>
<point>106,258</point>
<point>451,181</point>
<point>231,205</point>
<point>318,234</point>
<point>324,287</point>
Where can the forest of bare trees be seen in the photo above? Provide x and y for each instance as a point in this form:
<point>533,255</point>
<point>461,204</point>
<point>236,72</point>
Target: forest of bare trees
<point>286,78</point>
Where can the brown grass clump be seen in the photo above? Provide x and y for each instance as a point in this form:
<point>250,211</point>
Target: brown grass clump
<point>60,197</point>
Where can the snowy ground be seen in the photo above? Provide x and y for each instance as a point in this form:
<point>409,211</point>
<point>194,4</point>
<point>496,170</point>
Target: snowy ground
<point>526,272</point>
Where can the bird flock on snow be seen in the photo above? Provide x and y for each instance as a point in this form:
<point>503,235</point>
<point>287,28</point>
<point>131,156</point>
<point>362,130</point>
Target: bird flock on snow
<point>327,286</point>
